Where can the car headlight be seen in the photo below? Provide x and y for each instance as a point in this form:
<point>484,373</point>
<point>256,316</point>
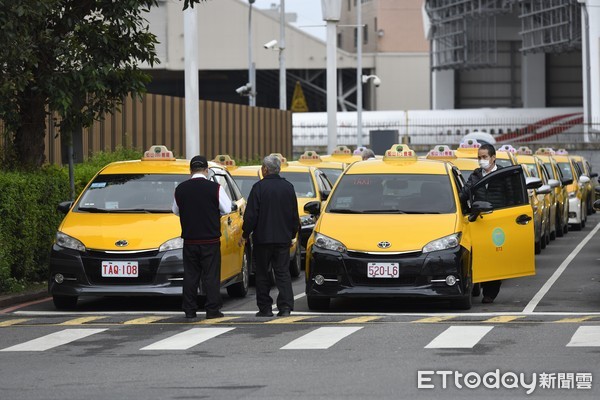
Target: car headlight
<point>68,242</point>
<point>327,243</point>
<point>308,220</point>
<point>447,242</point>
<point>173,244</point>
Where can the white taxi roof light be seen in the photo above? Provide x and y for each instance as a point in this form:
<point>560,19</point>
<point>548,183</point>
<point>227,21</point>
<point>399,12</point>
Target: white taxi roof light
<point>524,150</point>
<point>469,144</point>
<point>562,152</point>
<point>280,156</point>
<point>507,148</point>
<point>158,153</point>
<point>344,150</point>
<point>545,151</point>
<point>359,150</point>
<point>442,151</point>
<point>224,159</point>
<point>310,155</point>
<point>400,152</point>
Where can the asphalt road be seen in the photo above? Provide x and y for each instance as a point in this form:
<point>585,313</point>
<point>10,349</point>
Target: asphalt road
<point>539,339</point>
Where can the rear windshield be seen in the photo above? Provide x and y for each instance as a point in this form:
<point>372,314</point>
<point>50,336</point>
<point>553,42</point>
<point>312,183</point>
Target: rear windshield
<point>302,181</point>
<point>131,193</point>
<point>245,184</point>
<point>393,194</point>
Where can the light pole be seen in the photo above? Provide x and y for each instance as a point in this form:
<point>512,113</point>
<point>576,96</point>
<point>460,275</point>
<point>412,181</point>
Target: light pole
<point>251,69</point>
<point>190,43</point>
<point>282,78</point>
<point>332,10</point>
<point>359,100</point>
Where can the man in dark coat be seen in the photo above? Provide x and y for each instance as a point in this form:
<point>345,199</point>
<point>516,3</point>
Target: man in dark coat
<point>272,218</point>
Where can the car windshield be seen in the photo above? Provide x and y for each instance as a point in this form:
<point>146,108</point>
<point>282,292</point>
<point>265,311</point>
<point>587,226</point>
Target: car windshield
<point>332,174</point>
<point>550,170</point>
<point>303,184</point>
<point>130,193</point>
<point>565,168</point>
<point>245,184</point>
<point>393,194</point>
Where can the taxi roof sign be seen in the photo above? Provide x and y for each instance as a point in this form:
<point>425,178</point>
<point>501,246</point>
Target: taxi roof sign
<point>224,159</point>
<point>545,151</point>
<point>310,155</point>
<point>524,150</point>
<point>342,150</point>
<point>562,152</point>
<point>359,150</point>
<point>441,151</point>
<point>158,153</point>
<point>469,144</point>
<point>398,152</point>
<point>507,148</point>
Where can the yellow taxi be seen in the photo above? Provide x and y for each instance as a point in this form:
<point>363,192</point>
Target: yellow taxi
<point>396,227</point>
<point>577,200</point>
<point>333,169</point>
<point>121,238</point>
<point>546,154</point>
<point>445,153</point>
<point>536,169</point>
<point>585,169</point>
<point>342,154</point>
<point>470,147</point>
<point>536,200</point>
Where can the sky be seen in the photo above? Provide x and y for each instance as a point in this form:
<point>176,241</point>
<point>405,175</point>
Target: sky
<point>309,13</point>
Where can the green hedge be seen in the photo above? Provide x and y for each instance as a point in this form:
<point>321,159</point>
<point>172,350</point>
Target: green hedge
<point>29,219</point>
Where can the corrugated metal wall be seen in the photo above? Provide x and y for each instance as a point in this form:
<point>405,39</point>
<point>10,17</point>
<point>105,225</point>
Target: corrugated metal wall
<point>243,132</point>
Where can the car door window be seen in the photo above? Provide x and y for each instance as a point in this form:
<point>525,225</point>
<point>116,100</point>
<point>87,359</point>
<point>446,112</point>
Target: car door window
<point>502,188</point>
<point>222,180</point>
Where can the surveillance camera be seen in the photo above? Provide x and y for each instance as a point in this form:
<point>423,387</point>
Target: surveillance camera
<point>271,44</point>
<point>376,81</point>
<point>244,90</point>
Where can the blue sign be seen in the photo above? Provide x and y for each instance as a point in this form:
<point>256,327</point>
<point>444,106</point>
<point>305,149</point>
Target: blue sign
<point>498,237</point>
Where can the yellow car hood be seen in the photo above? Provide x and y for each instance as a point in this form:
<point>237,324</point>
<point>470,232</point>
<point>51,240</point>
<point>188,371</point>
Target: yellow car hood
<point>141,231</point>
<point>404,232</point>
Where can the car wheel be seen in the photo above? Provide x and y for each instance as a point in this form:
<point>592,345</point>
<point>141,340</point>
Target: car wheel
<point>560,230</point>
<point>583,217</point>
<point>543,241</point>
<point>476,291</point>
<point>318,303</point>
<point>64,302</point>
<point>296,263</point>
<point>464,303</point>
<point>240,289</point>
<point>538,247</point>
<point>566,227</point>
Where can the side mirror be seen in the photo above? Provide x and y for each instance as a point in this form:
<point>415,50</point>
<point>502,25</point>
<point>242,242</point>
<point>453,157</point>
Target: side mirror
<point>478,208</point>
<point>584,179</point>
<point>64,207</point>
<point>567,181</point>
<point>533,183</point>
<point>544,189</point>
<point>313,207</point>
<point>553,183</point>
<point>597,205</point>
<point>325,194</point>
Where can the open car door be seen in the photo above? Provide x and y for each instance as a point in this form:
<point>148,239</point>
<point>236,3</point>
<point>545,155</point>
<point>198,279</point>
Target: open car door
<point>503,239</point>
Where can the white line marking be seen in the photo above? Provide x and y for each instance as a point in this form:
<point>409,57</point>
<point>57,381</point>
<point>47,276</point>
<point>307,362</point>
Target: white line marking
<point>54,339</point>
<point>542,292</point>
<point>187,339</point>
<point>459,337</point>
<point>321,338</point>
<point>586,336</point>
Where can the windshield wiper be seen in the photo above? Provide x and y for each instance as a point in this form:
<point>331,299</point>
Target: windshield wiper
<point>388,211</point>
<point>344,211</point>
<point>93,209</point>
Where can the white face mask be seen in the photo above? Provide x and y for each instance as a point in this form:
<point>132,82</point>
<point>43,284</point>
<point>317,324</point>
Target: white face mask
<point>485,164</point>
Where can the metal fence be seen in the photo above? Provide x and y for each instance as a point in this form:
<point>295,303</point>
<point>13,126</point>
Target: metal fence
<point>243,132</point>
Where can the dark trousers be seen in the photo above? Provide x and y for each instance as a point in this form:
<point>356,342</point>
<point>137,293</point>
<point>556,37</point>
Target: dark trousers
<point>276,257</point>
<point>202,261</point>
<point>491,288</point>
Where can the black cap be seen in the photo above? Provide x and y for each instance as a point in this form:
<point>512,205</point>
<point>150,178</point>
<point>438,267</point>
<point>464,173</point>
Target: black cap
<point>198,162</point>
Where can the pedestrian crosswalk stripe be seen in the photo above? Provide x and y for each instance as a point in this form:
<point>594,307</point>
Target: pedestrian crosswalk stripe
<point>15,321</point>
<point>435,319</point>
<point>286,320</point>
<point>81,321</point>
<point>187,339</point>
<point>321,338</point>
<point>54,340</point>
<point>216,320</point>
<point>586,336</point>
<point>580,319</point>
<point>459,337</point>
<point>504,318</point>
<point>359,320</point>
<point>143,320</point>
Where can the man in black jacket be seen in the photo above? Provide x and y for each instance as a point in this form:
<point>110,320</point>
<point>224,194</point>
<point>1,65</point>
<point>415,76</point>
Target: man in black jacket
<point>199,203</point>
<point>497,193</point>
<point>272,218</point>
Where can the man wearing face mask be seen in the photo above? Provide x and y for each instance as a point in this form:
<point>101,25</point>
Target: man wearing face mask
<point>497,194</point>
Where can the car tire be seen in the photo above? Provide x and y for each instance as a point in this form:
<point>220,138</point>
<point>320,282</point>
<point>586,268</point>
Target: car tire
<point>476,291</point>
<point>538,247</point>
<point>296,263</point>
<point>240,289</point>
<point>543,241</point>
<point>464,303</point>
<point>64,302</point>
<point>318,303</point>
<point>560,230</point>
<point>566,227</point>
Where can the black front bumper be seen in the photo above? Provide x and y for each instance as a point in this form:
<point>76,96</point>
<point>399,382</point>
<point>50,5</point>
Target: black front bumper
<point>421,275</point>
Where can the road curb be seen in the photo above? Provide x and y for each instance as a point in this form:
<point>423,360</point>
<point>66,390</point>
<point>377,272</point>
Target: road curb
<point>12,299</point>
